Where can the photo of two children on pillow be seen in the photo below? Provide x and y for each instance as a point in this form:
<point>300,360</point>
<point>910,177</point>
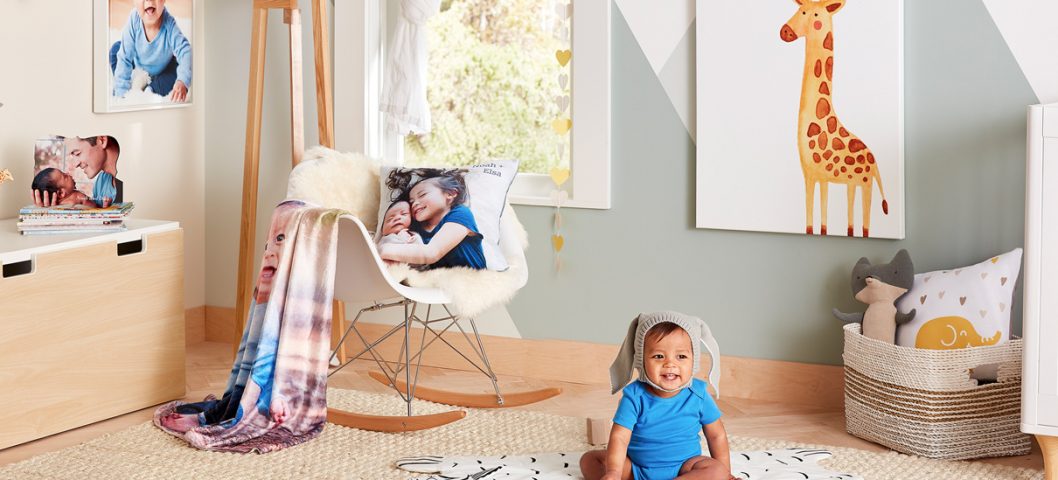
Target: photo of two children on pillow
<point>428,222</point>
<point>434,218</point>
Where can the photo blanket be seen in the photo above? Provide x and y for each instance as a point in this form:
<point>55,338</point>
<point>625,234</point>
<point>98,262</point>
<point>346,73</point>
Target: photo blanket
<point>276,396</point>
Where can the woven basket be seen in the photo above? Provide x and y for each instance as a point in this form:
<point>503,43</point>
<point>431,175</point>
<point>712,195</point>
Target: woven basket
<point>923,402</point>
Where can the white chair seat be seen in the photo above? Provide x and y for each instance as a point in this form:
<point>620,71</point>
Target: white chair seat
<point>362,276</point>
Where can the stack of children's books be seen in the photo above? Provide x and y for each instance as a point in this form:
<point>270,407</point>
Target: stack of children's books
<point>58,219</point>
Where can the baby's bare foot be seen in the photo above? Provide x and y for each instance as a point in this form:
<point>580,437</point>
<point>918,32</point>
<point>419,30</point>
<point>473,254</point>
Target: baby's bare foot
<point>180,423</point>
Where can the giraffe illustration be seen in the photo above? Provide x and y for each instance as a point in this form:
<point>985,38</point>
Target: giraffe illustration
<point>829,152</point>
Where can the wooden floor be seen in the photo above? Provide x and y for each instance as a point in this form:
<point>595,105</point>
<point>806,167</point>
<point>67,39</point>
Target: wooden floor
<point>208,365</point>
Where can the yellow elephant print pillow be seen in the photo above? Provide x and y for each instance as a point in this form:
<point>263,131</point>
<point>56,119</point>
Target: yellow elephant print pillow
<point>961,308</point>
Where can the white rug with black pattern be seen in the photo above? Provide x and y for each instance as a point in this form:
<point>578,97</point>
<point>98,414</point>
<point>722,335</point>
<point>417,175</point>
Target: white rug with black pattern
<point>786,463</point>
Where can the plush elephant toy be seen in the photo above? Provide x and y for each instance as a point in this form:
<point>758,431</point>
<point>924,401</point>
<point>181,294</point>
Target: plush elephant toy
<point>879,286</point>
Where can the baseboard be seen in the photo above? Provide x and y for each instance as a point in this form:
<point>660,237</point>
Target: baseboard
<point>588,363</point>
<point>220,324</point>
<point>195,319</point>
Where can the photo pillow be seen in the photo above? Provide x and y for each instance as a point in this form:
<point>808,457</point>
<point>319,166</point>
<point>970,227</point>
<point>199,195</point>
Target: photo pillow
<point>964,307</point>
<point>444,217</point>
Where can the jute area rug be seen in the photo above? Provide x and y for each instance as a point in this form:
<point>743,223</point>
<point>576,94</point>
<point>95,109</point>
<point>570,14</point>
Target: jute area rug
<point>144,452</point>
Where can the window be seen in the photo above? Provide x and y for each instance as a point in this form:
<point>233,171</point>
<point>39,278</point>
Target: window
<point>483,105</point>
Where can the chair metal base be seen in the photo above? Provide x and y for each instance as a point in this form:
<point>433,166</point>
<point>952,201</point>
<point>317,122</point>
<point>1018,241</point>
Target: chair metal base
<point>406,358</point>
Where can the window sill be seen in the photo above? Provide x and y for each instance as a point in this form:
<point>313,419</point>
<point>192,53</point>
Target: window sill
<point>536,189</point>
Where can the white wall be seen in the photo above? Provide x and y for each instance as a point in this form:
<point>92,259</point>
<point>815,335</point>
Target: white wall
<point>46,88</point>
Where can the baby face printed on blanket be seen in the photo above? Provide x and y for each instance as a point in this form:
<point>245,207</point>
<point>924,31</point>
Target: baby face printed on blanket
<point>278,234</point>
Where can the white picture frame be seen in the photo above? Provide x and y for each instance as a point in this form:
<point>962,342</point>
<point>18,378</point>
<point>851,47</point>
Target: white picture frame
<point>111,19</point>
<point>749,172</point>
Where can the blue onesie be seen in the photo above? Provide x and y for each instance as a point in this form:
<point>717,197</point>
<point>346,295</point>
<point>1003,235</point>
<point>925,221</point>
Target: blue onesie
<point>665,431</point>
<point>468,252</point>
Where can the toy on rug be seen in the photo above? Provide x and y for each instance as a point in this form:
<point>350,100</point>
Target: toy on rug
<point>880,286</point>
<point>798,463</point>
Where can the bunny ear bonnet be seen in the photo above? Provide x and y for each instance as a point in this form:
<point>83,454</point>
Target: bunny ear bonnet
<point>631,353</point>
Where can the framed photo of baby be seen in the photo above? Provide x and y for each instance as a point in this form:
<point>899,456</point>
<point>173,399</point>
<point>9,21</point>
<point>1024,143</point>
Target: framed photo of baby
<point>142,54</point>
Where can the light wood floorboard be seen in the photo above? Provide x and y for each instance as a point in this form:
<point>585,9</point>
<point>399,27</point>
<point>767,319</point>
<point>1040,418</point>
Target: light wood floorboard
<point>208,364</point>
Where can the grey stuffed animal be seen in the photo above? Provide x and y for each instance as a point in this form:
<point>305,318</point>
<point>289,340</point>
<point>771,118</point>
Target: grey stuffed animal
<point>879,286</point>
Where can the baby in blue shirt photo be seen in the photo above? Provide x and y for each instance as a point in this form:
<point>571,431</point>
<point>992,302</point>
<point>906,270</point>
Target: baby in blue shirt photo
<point>655,431</point>
<point>153,42</point>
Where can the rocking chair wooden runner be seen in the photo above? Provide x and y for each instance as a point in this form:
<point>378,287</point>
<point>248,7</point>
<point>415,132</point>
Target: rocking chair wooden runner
<point>361,274</point>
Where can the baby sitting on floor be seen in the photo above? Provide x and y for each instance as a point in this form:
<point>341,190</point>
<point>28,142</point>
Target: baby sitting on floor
<point>655,430</point>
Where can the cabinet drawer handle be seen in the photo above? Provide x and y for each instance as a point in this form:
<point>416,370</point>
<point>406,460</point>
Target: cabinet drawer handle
<point>130,247</point>
<point>18,268</point>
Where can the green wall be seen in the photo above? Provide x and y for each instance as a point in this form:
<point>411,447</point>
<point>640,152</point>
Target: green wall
<point>769,295</point>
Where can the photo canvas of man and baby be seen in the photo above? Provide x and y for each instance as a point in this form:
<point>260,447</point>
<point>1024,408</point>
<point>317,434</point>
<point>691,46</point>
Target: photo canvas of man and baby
<point>444,217</point>
<point>76,171</point>
<point>143,54</point>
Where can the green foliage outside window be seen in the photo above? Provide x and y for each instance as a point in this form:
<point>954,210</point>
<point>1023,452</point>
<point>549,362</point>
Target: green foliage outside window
<point>492,82</point>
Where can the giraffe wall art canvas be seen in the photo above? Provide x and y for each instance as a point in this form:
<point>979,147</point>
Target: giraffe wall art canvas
<point>800,117</point>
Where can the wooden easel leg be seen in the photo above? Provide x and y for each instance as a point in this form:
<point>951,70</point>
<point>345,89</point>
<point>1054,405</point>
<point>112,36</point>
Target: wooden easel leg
<point>248,224</point>
<point>1049,445</point>
<point>338,328</point>
<point>324,109</point>
<point>292,17</point>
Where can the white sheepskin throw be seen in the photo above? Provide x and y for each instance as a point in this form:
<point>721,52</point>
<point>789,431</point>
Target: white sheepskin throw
<point>348,181</point>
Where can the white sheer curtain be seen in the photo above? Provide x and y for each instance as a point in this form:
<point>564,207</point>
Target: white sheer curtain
<point>404,85</point>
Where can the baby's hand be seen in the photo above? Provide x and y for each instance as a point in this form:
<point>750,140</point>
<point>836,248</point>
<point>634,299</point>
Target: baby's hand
<point>413,237</point>
<point>279,410</point>
<point>179,93</point>
<point>44,198</point>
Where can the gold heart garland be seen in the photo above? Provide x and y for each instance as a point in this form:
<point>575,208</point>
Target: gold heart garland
<point>561,125</point>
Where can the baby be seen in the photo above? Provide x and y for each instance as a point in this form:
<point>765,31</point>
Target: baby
<point>655,431</point>
<point>60,185</point>
<point>152,41</point>
<point>396,225</point>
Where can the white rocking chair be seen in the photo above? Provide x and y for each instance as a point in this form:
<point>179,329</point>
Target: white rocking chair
<point>362,278</point>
